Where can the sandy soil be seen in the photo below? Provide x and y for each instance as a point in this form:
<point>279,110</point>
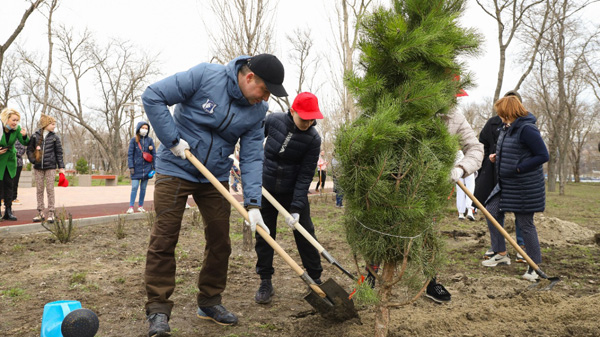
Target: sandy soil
<point>106,275</point>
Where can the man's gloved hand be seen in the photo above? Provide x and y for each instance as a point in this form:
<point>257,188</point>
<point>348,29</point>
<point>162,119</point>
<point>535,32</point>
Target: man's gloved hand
<point>131,171</point>
<point>456,174</point>
<point>256,218</point>
<point>290,221</point>
<point>179,149</point>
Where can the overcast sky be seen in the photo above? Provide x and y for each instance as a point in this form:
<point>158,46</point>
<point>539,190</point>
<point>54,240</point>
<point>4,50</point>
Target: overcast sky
<point>175,29</point>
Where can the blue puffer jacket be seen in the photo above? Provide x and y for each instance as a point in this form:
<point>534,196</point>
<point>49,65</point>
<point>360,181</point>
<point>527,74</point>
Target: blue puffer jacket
<point>521,190</point>
<point>211,114</point>
<point>141,168</point>
<point>291,158</point>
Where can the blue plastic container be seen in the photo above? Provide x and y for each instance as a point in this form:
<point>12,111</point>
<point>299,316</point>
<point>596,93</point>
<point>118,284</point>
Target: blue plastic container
<point>151,174</point>
<point>54,313</point>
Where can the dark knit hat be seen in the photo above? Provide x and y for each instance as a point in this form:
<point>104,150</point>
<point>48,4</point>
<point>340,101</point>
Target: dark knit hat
<point>514,93</point>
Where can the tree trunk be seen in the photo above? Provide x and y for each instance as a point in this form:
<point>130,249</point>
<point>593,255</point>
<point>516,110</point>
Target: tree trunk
<point>382,316</point>
<point>247,237</point>
<point>552,167</point>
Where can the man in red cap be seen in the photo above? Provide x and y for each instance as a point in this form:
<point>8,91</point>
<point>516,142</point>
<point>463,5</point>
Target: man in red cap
<point>292,149</point>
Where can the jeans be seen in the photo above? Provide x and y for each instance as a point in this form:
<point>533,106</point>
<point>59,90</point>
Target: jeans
<point>523,221</point>
<point>134,187</point>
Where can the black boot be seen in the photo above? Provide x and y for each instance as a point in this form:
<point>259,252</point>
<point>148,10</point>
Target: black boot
<point>8,214</point>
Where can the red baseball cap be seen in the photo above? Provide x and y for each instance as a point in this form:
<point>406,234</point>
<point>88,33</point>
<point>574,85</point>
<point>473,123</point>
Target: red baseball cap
<point>307,106</point>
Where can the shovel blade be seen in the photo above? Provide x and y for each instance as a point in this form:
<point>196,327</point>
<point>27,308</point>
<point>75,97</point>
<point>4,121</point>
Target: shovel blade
<point>336,306</point>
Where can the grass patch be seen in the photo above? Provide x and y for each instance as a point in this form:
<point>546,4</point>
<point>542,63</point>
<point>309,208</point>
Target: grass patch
<point>580,204</point>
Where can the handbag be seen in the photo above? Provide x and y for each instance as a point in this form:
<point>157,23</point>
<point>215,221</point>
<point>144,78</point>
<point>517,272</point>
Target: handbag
<point>146,155</point>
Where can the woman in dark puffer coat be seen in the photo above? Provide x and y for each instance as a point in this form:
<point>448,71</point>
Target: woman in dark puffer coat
<point>520,154</point>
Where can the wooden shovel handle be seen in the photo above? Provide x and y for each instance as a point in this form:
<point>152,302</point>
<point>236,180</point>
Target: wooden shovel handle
<point>276,247</point>
<point>497,225</point>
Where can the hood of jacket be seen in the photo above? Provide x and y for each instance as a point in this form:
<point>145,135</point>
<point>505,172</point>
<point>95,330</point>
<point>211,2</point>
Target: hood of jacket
<point>233,87</point>
<point>139,126</point>
<point>527,119</point>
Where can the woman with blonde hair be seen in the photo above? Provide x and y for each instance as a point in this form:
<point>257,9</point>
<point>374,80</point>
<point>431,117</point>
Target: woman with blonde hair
<point>11,132</point>
<point>520,154</point>
<point>45,152</point>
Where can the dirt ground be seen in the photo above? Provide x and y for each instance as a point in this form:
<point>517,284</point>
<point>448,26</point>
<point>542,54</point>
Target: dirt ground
<point>106,275</point>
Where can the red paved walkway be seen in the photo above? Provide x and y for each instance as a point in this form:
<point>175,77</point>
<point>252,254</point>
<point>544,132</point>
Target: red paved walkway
<point>88,202</point>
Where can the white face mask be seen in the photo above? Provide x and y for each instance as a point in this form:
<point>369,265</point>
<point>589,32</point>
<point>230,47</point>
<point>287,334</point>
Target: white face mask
<point>143,132</point>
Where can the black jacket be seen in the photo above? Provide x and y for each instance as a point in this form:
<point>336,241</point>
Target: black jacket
<point>291,157</point>
<point>52,151</point>
<point>486,177</point>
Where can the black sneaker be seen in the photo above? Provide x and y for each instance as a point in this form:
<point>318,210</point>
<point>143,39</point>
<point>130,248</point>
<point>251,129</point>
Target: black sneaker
<point>370,279</point>
<point>318,281</point>
<point>437,292</point>
<point>218,314</point>
<point>159,326</point>
<point>265,292</point>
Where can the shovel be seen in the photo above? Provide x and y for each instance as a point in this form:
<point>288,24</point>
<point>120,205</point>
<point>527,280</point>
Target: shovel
<point>553,280</point>
<point>326,299</point>
<point>301,229</point>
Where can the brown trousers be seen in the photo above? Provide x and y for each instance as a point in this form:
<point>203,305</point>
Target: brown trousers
<point>170,197</point>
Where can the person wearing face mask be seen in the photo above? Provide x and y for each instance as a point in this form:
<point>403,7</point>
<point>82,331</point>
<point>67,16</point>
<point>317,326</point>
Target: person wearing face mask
<point>46,153</point>
<point>291,153</point>
<point>140,159</point>
<point>11,132</point>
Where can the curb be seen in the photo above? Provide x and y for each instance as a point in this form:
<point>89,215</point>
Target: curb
<point>83,222</point>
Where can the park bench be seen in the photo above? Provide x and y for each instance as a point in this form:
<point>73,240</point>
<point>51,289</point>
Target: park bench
<point>86,179</point>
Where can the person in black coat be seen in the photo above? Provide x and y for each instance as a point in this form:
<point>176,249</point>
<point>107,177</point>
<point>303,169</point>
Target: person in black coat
<point>291,152</point>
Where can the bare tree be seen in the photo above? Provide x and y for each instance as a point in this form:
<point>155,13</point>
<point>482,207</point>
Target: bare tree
<point>348,16</point>
<point>507,28</point>
<point>120,75</point>
<point>3,47</point>
<point>52,7</point>
<point>476,113</point>
<point>584,125</point>
<point>557,86</point>
<point>8,78</point>
<point>246,28</point>
<point>303,58</point>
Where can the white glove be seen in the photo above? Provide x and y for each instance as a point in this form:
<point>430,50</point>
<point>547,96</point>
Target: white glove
<point>456,174</point>
<point>179,149</point>
<point>256,218</point>
<point>290,221</point>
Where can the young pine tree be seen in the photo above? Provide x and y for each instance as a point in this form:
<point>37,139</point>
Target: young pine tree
<point>397,156</point>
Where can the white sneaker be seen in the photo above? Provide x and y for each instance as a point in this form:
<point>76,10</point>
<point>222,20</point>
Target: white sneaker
<point>470,214</point>
<point>141,210</point>
<point>130,210</point>
<point>461,216</point>
<point>530,275</point>
<point>496,260</point>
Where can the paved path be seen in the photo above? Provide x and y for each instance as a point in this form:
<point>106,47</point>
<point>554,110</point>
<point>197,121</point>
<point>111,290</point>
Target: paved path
<point>96,204</point>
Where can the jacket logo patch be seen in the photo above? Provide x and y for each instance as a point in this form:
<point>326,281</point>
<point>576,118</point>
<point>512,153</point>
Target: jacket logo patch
<point>209,106</point>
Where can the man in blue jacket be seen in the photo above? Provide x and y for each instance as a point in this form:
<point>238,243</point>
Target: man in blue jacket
<point>215,106</point>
